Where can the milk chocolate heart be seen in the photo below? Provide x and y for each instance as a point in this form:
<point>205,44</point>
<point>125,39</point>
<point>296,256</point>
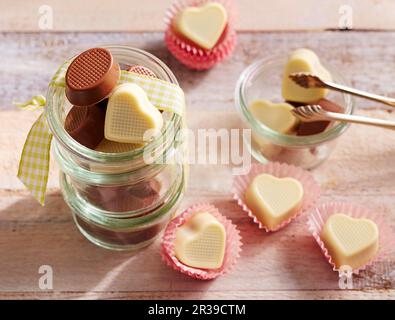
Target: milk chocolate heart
<point>350,242</point>
<point>274,200</point>
<point>202,25</point>
<point>200,242</point>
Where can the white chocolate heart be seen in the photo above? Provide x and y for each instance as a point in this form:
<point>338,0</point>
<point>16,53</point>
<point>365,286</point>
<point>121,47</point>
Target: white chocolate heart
<point>200,242</point>
<point>108,146</point>
<point>350,242</point>
<point>304,60</point>
<point>130,117</point>
<point>265,146</point>
<point>276,116</point>
<point>202,25</point>
<point>273,200</point>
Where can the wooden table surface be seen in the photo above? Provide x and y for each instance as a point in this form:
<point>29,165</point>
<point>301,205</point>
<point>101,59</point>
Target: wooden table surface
<point>285,264</point>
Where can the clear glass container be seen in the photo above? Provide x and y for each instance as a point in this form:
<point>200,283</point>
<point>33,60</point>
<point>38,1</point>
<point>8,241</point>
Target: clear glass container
<point>119,200</point>
<point>262,80</point>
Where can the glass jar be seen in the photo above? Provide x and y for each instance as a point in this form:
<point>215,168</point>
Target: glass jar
<point>119,200</point>
<point>262,80</point>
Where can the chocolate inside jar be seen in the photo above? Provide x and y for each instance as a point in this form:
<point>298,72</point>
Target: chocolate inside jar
<point>121,237</point>
<point>120,199</point>
<point>316,127</point>
<point>86,124</point>
<point>125,198</point>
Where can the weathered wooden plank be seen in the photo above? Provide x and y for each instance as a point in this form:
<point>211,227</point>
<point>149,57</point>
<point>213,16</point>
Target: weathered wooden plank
<point>254,15</point>
<point>284,261</point>
<point>229,295</point>
<point>29,60</point>
<point>360,163</point>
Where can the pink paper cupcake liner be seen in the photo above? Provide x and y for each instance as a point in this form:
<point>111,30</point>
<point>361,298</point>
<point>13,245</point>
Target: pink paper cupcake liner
<point>318,217</point>
<point>232,251</point>
<point>189,53</point>
<point>311,190</point>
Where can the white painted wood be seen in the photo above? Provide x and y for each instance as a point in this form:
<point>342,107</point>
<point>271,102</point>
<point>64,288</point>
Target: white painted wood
<point>28,61</point>
<point>253,15</point>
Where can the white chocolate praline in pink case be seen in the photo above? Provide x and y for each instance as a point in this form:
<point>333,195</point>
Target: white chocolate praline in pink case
<point>203,24</point>
<point>232,248</point>
<point>274,200</point>
<point>320,215</point>
<point>350,242</point>
<point>311,190</point>
<point>188,52</point>
<point>201,242</point>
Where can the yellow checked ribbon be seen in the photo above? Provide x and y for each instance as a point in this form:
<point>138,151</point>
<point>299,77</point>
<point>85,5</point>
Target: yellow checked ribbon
<point>164,95</point>
<point>34,163</point>
<point>34,103</point>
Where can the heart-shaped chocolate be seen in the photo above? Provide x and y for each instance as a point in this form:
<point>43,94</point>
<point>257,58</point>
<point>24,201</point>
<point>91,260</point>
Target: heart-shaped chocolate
<point>200,242</point>
<point>130,117</point>
<point>108,146</point>
<point>350,241</point>
<point>276,116</point>
<point>273,200</point>
<point>202,25</point>
<point>304,60</point>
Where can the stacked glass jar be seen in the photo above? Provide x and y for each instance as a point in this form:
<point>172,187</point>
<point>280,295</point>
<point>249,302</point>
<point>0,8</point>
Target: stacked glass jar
<point>119,200</point>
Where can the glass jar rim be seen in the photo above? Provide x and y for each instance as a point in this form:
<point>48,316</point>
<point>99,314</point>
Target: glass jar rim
<point>104,178</point>
<point>61,136</point>
<point>274,136</point>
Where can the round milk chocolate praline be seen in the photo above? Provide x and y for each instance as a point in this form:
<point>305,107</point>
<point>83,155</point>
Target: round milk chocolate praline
<point>91,77</point>
<point>142,71</point>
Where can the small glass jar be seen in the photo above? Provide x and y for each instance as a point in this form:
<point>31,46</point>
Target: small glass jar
<point>119,200</point>
<point>262,80</point>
